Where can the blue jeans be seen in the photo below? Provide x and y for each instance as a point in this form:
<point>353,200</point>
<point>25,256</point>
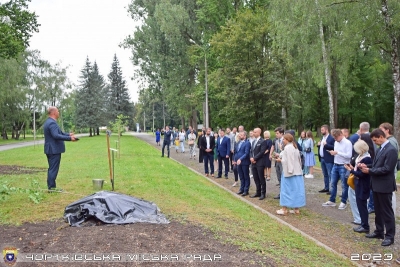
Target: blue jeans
<point>208,157</point>
<point>371,205</point>
<point>338,173</point>
<point>326,170</point>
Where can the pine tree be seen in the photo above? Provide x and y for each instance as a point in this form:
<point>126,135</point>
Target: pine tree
<point>118,95</point>
<point>90,98</point>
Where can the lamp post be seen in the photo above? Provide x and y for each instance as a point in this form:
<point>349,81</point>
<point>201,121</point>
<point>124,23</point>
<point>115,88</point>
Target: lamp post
<point>205,80</point>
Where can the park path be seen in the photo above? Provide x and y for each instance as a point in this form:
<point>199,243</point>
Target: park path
<point>22,143</point>
<point>327,225</point>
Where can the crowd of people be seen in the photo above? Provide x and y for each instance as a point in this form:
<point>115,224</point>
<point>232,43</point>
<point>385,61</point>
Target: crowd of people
<point>365,161</point>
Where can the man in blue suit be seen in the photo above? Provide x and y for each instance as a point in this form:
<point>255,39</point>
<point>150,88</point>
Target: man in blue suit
<point>327,143</point>
<point>54,145</point>
<point>223,150</point>
<point>242,160</point>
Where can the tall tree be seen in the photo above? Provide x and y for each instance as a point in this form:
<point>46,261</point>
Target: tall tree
<point>118,95</point>
<point>16,27</point>
<point>90,98</point>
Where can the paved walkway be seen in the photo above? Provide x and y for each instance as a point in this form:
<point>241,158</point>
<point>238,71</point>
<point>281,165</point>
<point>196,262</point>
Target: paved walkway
<point>328,225</point>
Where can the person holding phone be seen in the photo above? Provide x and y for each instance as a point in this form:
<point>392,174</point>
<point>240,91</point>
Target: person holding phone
<point>362,183</point>
<point>343,150</point>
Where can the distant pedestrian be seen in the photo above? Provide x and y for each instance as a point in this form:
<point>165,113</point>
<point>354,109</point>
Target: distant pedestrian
<point>207,144</point>
<point>158,137</point>
<point>182,136</point>
<point>167,140</point>
<point>301,142</point>
<point>266,158</point>
<point>53,146</point>
<point>310,157</point>
<point>191,141</point>
<point>201,136</point>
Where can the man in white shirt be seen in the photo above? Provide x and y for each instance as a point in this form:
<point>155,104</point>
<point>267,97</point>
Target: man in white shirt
<point>343,151</point>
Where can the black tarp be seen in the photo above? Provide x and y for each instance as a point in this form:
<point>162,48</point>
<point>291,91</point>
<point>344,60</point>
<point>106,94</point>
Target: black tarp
<point>113,208</point>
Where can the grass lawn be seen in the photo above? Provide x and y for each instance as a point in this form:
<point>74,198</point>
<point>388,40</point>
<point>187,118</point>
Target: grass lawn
<point>141,172</point>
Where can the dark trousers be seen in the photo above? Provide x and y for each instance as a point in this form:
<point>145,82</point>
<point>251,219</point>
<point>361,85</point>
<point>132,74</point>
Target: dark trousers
<point>244,176</point>
<point>226,163</point>
<point>163,146</point>
<point>235,172</point>
<point>259,179</point>
<point>54,165</point>
<point>363,210</point>
<point>231,159</point>
<point>208,157</point>
<point>384,215</point>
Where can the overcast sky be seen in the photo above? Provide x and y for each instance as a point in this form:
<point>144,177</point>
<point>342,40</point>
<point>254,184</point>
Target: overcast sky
<point>71,30</point>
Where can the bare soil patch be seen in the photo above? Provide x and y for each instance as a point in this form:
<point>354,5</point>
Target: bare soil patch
<point>58,237</point>
<point>14,170</point>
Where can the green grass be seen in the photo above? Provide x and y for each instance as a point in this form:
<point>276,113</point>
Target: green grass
<point>181,195</point>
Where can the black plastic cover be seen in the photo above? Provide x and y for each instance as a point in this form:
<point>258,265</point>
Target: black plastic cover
<point>113,208</point>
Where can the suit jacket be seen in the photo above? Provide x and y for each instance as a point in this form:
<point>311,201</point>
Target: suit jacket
<point>224,148</point>
<point>364,180</point>
<point>203,144</point>
<point>330,145</point>
<point>167,137</point>
<point>54,138</point>
<point>243,153</point>
<point>382,170</point>
<point>257,151</point>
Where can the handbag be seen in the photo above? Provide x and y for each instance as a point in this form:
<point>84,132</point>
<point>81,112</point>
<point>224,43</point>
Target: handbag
<point>308,149</point>
<point>191,142</point>
<point>350,181</point>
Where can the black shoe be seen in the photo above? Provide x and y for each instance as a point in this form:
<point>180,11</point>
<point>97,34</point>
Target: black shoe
<point>218,176</point>
<point>360,229</point>
<point>371,211</point>
<point>375,235</point>
<point>255,195</point>
<point>387,242</point>
<point>278,197</point>
<point>245,194</point>
<point>240,192</point>
<point>262,197</point>
<point>356,223</point>
<point>323,191</point>
<point>226,176</point>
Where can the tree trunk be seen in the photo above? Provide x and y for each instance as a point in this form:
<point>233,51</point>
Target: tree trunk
<point>327,69</point>
<point>394,56</point>
<point>98,131</point>
<point>183,122</point>
<point>90,132</point>
<point>193,121</point>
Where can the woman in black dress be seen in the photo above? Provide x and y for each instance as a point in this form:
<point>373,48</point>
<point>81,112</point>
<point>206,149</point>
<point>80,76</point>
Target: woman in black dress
<point>267,160</point>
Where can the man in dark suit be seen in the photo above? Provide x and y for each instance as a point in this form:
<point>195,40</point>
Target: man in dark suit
<point>223,150</point>
<point>207,144</point>
<point>258,148</point>
<point>53,146</point>
<point>327,143</point>
<point>241,158</point>
<point>383,184</point>
<point>167,141</point>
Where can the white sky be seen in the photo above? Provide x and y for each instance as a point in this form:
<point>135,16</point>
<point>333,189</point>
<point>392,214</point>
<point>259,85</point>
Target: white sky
<point>71,30</point>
